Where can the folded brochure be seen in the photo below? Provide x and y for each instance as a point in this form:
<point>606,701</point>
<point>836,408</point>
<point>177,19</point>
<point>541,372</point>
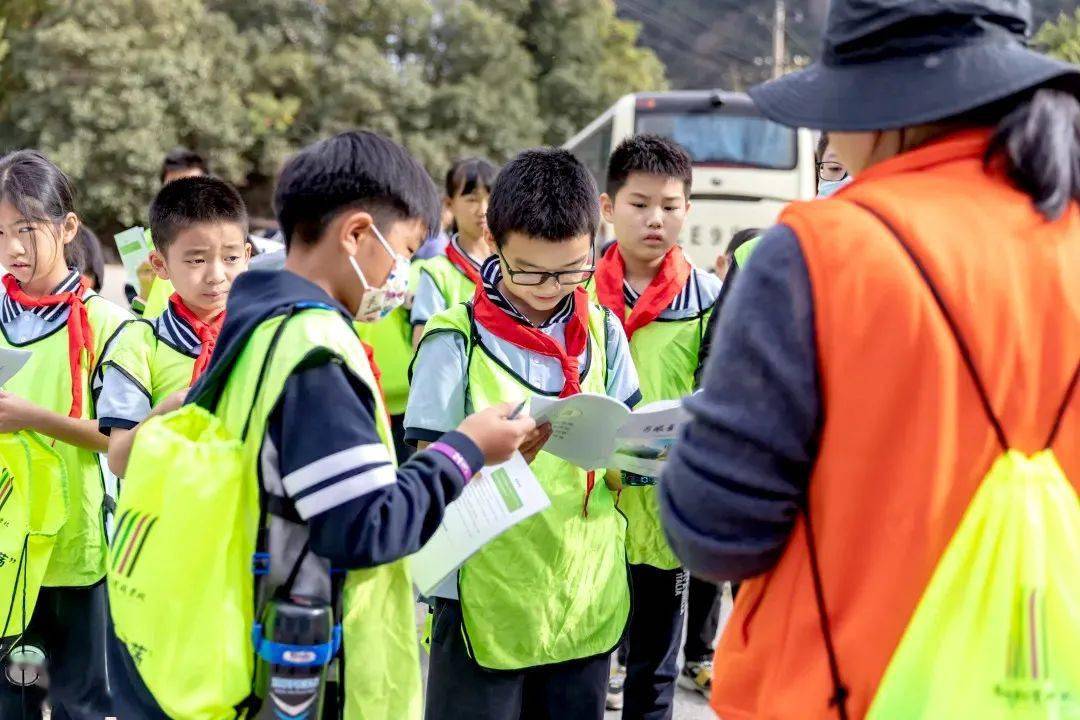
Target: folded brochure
<point>134,246</point>
<point>498,498</point>
<point>11,362</point>
<point>594,431</point>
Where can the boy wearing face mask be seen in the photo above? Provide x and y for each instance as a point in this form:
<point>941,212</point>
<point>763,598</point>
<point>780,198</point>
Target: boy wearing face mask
<point>353,208</point>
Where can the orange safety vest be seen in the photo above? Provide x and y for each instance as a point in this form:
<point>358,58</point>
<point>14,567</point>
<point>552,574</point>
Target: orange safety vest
<point>905,441</point>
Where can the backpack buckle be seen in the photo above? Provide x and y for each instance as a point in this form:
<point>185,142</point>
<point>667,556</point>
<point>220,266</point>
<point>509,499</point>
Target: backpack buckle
<point>260,564</point>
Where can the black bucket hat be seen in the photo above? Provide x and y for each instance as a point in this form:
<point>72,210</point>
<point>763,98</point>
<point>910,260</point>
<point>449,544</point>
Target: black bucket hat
<point>895,63</point>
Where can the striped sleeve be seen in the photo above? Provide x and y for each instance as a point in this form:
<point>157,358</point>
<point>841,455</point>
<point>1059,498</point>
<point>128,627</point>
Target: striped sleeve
<point>326,457</point>
<point>327,453</point>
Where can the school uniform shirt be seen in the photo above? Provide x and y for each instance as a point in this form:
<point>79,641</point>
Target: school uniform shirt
<point>428,299</point>
<point>122,401</point>
<point>440,401</point>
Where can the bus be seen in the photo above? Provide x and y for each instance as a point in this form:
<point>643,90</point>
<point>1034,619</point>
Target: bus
<point>746,167</point>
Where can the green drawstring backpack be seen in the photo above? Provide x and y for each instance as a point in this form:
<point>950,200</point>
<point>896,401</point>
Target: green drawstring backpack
<point>33,508</point>
<point>996,633</point>
<point>180,574</point>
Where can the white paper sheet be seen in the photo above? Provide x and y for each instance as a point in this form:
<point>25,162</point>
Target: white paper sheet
<point>134,247</point>
<point>493,502</point>
<point>11,362</point>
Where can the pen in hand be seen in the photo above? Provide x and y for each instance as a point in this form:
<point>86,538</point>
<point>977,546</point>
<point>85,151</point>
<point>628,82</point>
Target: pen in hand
<point>517,411</point>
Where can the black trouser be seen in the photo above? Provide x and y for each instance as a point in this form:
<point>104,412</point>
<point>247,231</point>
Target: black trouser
<point>702,619</point>
<point>397,431</point>
<point>68,626</point>
<point>131,698</point>
<point>459,689</point>
<point>652,650</point>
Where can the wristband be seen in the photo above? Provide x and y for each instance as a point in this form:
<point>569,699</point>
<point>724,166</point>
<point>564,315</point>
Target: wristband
<point>455,457</point>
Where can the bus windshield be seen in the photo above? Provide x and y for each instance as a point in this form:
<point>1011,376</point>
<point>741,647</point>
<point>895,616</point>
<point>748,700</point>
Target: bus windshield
<point>725,139</point>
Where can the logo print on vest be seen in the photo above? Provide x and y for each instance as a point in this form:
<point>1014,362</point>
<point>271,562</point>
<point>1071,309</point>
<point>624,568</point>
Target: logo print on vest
<point>1028,681</point>
<point>7,487</point>
<point>132,531</point>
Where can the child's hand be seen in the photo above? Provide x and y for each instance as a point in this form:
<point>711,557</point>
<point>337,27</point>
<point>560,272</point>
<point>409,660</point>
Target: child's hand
<point>496,436</point>
<point>172,402</point>
<point>15,413</point>
<point>535,442</point>
<point>145,273</point>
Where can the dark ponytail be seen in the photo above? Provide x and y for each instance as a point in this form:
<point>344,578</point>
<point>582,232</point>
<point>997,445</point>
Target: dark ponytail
<point>1039,140</point>
<point>40,191</point>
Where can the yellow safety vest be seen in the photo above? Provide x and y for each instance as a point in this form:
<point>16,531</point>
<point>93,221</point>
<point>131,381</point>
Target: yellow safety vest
<point>553,588</point>
<point>78,558</point>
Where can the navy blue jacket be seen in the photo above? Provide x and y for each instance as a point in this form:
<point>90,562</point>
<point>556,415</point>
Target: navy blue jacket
<point>738,476</point>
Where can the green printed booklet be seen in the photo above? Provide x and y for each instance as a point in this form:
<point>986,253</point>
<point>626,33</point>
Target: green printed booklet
<point>594,431</point>
<point>134,245</point>
<point>494,501</point>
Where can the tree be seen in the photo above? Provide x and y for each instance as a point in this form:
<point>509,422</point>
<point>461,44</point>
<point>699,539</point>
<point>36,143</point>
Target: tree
<point>586,58</point>
<point>105,87</point>
<point>444,77</point>
<point>1062,37</point>
<point>728,43</point>
<point>724,43</point>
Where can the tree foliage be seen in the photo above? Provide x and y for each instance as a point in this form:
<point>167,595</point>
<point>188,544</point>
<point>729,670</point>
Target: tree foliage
<point>106,87</point>
<point>728,43</point>
<point>1061,38</point>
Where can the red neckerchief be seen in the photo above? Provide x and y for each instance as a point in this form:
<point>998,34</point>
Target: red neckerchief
<point>462,263</point>
<point>526,337</point>
<point>80,334</point>
<point>370,352</point>
<point>669,281</point>
<point>207,332</point>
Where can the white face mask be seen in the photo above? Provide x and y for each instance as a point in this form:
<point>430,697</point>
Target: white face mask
<point>379,302</point>
<point>828,188</point>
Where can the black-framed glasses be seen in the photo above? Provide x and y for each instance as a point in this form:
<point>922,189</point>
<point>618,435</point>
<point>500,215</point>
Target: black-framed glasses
<point>831,171</point>
<point>564,278</point>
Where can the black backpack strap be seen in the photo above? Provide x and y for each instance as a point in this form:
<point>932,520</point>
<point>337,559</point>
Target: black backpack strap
<point>260,561</point>
<point>840,690</point>
<point>954,328</point>
<point>965,351</point>
<point>1060,417</point>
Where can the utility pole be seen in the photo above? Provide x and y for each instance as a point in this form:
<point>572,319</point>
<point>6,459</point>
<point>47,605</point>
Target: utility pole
<point>779,38</point>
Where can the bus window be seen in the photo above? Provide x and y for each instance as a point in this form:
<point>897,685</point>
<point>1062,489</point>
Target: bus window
<point>593,152</point>
<point>725,139</point>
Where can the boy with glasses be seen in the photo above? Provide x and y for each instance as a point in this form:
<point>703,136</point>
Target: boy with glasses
<point>547,601</point>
